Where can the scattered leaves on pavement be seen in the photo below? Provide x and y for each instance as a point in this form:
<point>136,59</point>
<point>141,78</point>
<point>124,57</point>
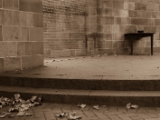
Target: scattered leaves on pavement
<point>69,116</point>
<point>19,105</point>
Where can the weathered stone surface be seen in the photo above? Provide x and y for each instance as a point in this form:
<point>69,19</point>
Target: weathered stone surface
<point>11,33</point>
<point>32,61</point>
<point>8,49</point>
<point>16,30</point>
<point>12,63</point>
<point>30,6</point>
<point>15,18</point>
<point>1,3</point>
<point>23,18</point>
<point>24,36</point>
<point>36,34</point>
<point>112,18</point>
<point>11,4</point>
<point>63,53</point>
<point>7,17</point>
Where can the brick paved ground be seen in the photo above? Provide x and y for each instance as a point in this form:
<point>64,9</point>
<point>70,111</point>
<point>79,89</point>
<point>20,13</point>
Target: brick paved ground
<point>48,111</point>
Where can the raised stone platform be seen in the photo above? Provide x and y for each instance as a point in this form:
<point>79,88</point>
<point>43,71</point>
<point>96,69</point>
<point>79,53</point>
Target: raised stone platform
<point>111,79</point>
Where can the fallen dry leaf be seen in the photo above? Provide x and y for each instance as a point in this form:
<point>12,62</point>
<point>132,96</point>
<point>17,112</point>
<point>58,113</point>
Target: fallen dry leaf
<point>4,114</point>
<point>134,106</point>
<point>96,107</point>
<point>128,106</point>
<point>61,115</point>
<point>82,105</point>
<point>73,117</point>
<point>28,114</point>
<point>17,96</point>
<point>13,110</point>
<point>21,114</point>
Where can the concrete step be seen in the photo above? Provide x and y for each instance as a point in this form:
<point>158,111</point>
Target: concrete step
<point>82,84</point>
<point>92,97</point>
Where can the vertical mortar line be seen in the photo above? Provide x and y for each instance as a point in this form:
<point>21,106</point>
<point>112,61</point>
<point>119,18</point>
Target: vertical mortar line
<point>2,4</point>
<point>85,27</point>
<point>18,5</point>
<point>113,23</point>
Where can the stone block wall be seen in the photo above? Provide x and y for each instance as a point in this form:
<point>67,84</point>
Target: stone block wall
<point>21,34</point>
<point>64,28</point>
<point>117,17</point>
<point>86,27</point>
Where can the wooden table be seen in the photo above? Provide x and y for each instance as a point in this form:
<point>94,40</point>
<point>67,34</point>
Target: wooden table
<point>140,35</point>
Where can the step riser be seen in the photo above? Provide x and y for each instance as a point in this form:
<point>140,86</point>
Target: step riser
<point>119,85</point>
<point>91,100</point>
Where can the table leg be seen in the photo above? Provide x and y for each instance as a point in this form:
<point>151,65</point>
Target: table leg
<point>131,47</point>
<point>151,44</point>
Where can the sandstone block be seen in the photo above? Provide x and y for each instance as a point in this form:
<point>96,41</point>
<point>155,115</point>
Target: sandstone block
<point>37,48</point>
<point>107,37</point>
<point>104,44</point>
<point>153,7</point>
<point>1,3</point>
<point>106,51</point>
<point>29,48</point>
<point>118,36</point>
<point>12,63</point>
<point>144,14</point>
<point>30,5</point>
<point>156,15</point>
<point>107,4</point>
<point>62,35</point>
<point>150,29</point>
<point>37,20</point>
<point>139,21</point>
<point>32,61</point>
<point>91,11</point>
<point>11,4</point>
<point>8,49</point>
<point>118,5</point>
<point>77,35</point>
<point>116,29</point>
<point>36,34</point>
<point>105,20</point>
<point>81,44</point>
<point>120,13</point>
<point>129,5</point>
<point>1,17</point>
<point>118,44</point>
<point>11,33</point>
<point>15,18</point>
<point>81,52</point>
<point>24,36</point>
<point>7,17</point>
<point>140,6</point>
<point>30,19</point>
<point>23,18</point>
<point>21,49</point>
<point>91,20</point>
<point>62,53</point>
<point>132,13</point>
<point>157,21</point>
<point>107,29</point>
<point>92,3</point>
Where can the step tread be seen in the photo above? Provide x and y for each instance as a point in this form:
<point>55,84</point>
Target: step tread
<point>99,93</point>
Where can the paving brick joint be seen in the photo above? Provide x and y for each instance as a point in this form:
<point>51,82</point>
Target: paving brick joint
<point>48,111</point>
